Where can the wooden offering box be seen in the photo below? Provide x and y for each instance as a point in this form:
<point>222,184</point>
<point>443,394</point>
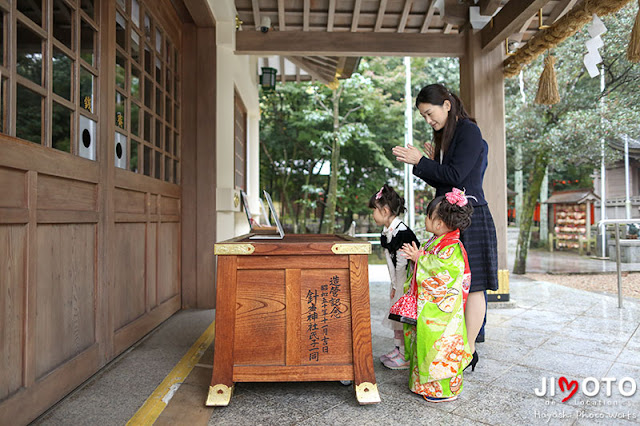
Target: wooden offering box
<point>291,310</point>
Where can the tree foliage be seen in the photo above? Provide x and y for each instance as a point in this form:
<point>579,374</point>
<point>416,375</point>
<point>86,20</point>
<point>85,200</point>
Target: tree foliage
<point>567,137</point>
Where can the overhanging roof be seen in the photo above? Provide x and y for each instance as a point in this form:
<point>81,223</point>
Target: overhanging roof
<point>314,34</point>
<point>575,196</point>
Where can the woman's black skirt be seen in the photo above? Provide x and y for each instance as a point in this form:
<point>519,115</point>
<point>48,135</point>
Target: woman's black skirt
<point>481,244</point>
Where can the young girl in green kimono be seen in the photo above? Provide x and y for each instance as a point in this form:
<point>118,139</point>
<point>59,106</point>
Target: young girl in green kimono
<point>437,345</point>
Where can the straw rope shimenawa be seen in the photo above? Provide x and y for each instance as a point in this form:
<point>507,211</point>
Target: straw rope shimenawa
<point>562,29</point>
<point>633,51</point>
<point>548,85</point>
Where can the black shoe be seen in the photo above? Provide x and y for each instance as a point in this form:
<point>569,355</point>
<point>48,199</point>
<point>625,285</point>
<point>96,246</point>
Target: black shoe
<point>473,362</point>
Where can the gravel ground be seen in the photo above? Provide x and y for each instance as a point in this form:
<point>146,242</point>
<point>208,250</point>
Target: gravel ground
<point>598,283</point>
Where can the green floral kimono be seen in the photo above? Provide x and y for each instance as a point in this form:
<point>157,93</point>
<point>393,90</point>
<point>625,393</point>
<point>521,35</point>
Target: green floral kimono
<point>437,346</point>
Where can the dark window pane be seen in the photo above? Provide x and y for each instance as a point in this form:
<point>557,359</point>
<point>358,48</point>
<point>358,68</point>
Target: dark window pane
<point>135,13</point>
<point>87,43</point>
<point>29,54</point>
<point>147,59</point>
<point>88,7</point>
<point>147,161</point>
<point>176,171</point>
<point>135,82</point>
<point>121,70</point>
<point>62,23</point>
<point>32,9</point>
<point>147,126</point>
<point>62,72</point>
<point>135,119</point>
<point>133,163</point>
<point>176,145</point>
<point>61,128</point>
<point>176,93</point>
<point>86,89</point>
<point>168,85</point>
<point>167,110</point>
<point>167,140</point>
<point>157,165</point>
<point>121,31</point>
<point>28,115</point>
<point>159,134</point>
<point>2,18</point>
<point>148,92</point>
<point>120,112</point>
<point>3,94</point>
<point>167,169</point>
<point>135,46</point>
<point>159,102</point>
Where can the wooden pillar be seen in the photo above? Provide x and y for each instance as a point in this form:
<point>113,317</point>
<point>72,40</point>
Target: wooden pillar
<point>199,167</point>
<point>482,92</point>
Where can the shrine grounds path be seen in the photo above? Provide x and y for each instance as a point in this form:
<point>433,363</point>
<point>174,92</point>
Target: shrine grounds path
<point>549,331</point>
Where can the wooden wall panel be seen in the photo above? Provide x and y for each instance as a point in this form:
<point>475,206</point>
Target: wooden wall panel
<point>168,261</point>
<point>153,204</point>
<point>126,201</point>
<point>13,188</point>
<point>260,337</point>
<point>12,283</point>
<point>169,206</point>
<point>56,193</point>
<point>65,291</point>
<point>152,262</point>
<point>129,284</point>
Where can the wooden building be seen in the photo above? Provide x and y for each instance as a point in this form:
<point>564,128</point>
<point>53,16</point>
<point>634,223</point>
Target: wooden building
<point>127,128</point>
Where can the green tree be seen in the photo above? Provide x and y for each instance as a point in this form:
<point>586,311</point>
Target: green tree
<point>566,137</point>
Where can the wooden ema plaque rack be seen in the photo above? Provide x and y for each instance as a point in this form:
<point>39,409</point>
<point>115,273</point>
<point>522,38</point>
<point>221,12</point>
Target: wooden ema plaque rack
<point>292,310</point>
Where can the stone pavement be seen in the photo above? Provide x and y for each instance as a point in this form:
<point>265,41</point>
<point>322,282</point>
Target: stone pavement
<point>553,332</point>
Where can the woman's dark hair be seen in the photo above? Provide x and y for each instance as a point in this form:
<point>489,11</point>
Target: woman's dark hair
<point>388,198</point>
<point>436,94</point>
<point>454,216</point>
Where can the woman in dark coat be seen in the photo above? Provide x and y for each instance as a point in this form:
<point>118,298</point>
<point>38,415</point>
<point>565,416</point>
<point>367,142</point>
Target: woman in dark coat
<point>458,159</point>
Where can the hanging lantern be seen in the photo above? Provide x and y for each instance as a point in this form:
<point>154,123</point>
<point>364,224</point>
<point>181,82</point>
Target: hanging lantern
<point>268,78</point>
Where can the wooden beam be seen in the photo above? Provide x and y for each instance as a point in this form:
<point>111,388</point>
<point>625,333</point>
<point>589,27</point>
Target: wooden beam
<point>283,71</point>
<point>455,13</point>
<point>508,21</point>
<point>380,17</point>
<point>356,16</point>
<point>301,43</point>
<point>331,15</point>
<point>488,7</point>
<point>282,26</point>
<point>200,13</point>
<point>560,10</point>
<point>520,34</point>
<point>447,29</point>
<point>305,16</point>
<point>428,16</point>
<point>350,66</point>
<point>256,13</point>
<point>312,70</point>
<point>405,15</point>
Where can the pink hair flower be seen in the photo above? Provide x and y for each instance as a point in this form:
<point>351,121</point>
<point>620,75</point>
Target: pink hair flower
<point>379,194</point>
<point>456,197</point>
